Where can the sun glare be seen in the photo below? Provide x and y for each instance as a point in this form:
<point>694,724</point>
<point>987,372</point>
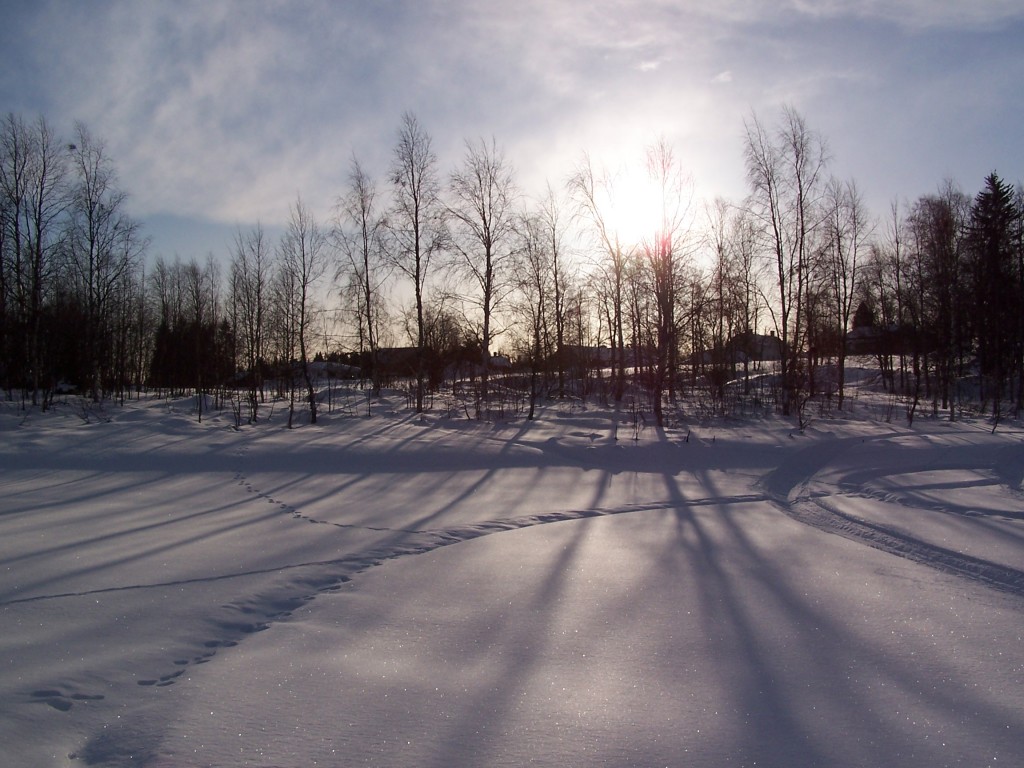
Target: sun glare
<point>632,208</point>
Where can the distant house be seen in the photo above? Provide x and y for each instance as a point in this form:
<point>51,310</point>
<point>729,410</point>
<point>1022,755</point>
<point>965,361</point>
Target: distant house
<point>757,346</point>
<point>867,337</point>
<point>887,340</point>
<point>747,347</point>
<point>588,355</point>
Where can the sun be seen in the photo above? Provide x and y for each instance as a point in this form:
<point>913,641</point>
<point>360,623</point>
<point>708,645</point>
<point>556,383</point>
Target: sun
<point>632,207</point>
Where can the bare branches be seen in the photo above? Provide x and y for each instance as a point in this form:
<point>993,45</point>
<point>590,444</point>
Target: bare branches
<point>303,258</point>
<point>785,175</point>
<point>416,223</point>
<point>482,212</point>
<point>360,233</point>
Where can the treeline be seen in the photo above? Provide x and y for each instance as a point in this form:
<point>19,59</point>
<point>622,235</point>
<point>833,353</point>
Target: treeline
<point>70,288</point>
<point>935,290</point>
<point>422,273</point>
<point>944,289</point>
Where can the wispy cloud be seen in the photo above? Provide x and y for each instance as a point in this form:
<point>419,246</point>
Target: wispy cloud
<point>226,109</point>
<point>907,14</point>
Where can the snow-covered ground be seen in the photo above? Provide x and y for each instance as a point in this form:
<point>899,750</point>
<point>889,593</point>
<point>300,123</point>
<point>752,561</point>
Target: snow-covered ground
<point>432,591</point>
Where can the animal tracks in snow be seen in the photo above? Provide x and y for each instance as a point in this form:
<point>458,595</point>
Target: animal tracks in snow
<point>295,513</point>
<point>259,612</point>
<point>297,583</point>
<point>60,700</point>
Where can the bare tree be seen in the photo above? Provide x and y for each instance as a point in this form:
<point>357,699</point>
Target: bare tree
<point>251,268</point>
<point>33,180</point>
<point>722,294</point>
<point>534,276</point>
<point>482,211</point>
<point>200,309</point>
<point>303,256</point>
<point>747,274</point>
<point>553,229</point>
<point>587,189</point>
<point>784,171</point>
<point>103,245</point>
<point>359,233</point>
<point>846,231</point>
<point>887,267</point>
<point>282,335</point>
<point>698,320</point>
<point>663,253</point>
<point>132,334</point>
<point>640,317</point>
<point>937,226</point>
<point>16,170</point>
<point>416,224</point>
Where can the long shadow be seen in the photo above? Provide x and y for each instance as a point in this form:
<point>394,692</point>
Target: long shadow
<point>777,729</point>
<point>481,720</point>
<point>134,555</point>
<point>788,487</point>
<point>774,731</point>
<point>500,464</point>
<point>777,732</point>
<point>833,640</point>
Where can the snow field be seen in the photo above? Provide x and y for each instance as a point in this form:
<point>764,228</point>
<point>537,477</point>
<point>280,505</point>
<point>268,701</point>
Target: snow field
<point>426,591</point>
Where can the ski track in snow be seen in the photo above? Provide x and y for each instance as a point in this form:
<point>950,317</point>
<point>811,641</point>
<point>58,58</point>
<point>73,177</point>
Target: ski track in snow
<point>895,497</point>
<point>814,509</point>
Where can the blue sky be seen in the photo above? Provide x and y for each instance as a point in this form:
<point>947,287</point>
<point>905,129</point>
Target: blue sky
<point>219,113</point>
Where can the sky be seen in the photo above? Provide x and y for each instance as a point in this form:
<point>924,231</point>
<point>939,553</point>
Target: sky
<point>220,114</point>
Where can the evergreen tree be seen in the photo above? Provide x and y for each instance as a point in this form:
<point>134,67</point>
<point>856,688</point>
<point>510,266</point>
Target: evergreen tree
<point>995,286</point>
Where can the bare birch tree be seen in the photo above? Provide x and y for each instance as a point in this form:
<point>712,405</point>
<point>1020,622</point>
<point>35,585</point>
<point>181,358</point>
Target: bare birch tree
<point>416,224</point>
<point>846,232</point>
<point>33,180</point>
<point>553,223</point>
<point>251,267</point>
<point>785,172</point>
<point>359,233</point>
<point>482,211</point>
<point>587,189</point>
<point>533,278</point>
<point>663,253</point>
<point>303,255</point>
<point>103,244</point>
